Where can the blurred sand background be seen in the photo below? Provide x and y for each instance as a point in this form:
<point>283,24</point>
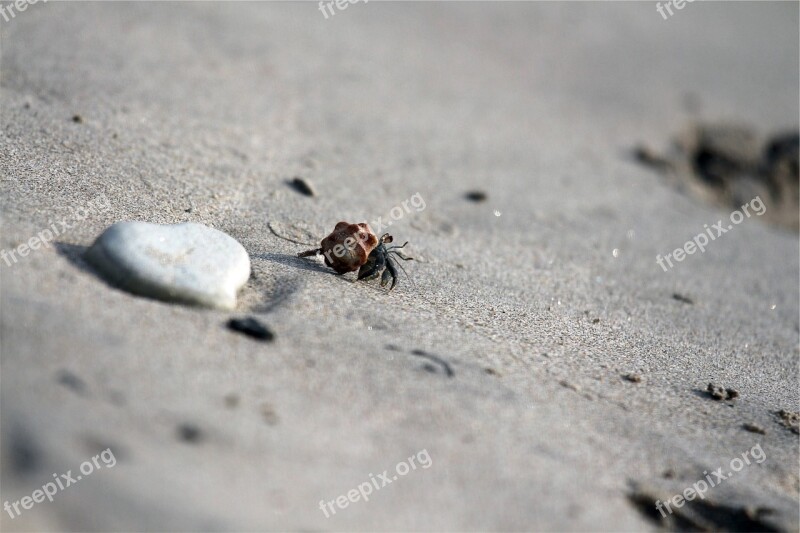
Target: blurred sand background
<point>538,299</point>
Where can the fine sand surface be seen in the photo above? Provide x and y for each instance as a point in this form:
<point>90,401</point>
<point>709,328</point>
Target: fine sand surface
<point>502,356</point>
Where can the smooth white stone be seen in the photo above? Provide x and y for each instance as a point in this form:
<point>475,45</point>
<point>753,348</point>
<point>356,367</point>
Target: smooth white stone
<point>187,263</point>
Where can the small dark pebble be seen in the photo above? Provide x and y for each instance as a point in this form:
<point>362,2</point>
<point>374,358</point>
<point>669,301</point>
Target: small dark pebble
<point>720,393</point>
<point>569,385</point>
<point>25,455</point>
<point>633,378</point>
<point>190,433</point>
<point>782,147</point>
<point>252,328</point>
<point>116,397</point>
<point>77,119</point>
<point>668,474</point>
<point>231,400</point>
<point>682,298</point>
<point>754,428</point>
<point>476,196</point>
<point>302,186</point>
<point>269,415</point>
<point>790,420</point>
<point>429,367</point>
<point>595,320</point>
<point>71,381</point>
<point>647,157</point>
<point>491,371</point>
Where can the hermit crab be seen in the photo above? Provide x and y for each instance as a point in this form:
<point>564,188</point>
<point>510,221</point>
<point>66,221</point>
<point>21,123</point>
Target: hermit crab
<point>352,247</point>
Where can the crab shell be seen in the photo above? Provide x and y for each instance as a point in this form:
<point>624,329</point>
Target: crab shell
<point>348,246</point>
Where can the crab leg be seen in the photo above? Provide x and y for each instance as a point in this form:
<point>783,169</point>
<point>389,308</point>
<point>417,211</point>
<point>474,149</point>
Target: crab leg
<point>389,273</point>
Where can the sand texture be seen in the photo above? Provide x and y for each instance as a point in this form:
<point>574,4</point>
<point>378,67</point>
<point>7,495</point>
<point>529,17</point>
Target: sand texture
<point>555,375</point>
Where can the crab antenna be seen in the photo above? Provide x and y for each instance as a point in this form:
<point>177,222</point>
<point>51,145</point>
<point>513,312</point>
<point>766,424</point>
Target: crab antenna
<point>395,263</point>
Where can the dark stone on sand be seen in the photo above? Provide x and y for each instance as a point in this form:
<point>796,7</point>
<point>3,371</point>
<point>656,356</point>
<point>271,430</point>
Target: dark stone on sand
<point>251,327</point>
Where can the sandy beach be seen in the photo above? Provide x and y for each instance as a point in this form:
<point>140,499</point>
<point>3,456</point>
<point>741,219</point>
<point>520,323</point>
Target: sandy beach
<point>535,367</point>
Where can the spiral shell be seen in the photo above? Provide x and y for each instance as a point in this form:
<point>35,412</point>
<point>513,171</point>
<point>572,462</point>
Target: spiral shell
<point>348,246</point>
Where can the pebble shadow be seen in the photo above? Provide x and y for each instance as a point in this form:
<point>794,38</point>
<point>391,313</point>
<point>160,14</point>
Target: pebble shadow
<point>281,295</point>
<point>74,254</point>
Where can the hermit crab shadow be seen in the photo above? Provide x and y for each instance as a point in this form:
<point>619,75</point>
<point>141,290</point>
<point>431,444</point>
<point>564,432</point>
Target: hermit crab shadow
<point>295,262</point>
<point>309,265</point>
